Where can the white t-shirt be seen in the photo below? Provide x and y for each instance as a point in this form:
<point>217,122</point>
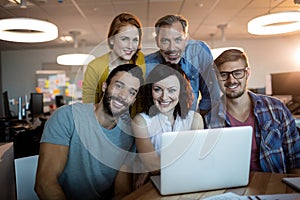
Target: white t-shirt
<point>159,124</point>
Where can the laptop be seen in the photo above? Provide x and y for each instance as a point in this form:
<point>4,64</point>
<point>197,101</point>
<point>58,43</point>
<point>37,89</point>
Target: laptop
<point>199,160</point>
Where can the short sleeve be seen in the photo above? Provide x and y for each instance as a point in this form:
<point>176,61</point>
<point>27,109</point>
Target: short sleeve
<point>59,127</point>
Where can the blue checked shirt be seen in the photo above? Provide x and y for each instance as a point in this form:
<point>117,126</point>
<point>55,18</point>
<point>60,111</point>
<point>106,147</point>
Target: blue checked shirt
<point>276,134</point>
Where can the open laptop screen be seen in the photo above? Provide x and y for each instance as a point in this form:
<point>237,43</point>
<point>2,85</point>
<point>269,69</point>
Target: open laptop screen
<point>209,159</point>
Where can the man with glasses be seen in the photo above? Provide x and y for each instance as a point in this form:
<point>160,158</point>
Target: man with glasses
<point>275,141</point>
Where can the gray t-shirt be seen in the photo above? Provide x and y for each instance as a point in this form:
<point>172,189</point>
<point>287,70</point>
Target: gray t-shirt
<point>95,153</point>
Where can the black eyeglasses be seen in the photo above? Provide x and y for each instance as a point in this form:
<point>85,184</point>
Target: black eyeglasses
<point>237,74</point>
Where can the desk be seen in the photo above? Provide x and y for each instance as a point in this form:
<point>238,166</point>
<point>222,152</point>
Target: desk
<point>259,183</point>
<point>7,172</point>
<point>25,136</point>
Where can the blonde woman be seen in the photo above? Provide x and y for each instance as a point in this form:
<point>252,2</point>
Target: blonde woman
<point>124,40</point>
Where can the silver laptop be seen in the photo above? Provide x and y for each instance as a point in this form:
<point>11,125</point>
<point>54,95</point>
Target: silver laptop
<point>199,160</point>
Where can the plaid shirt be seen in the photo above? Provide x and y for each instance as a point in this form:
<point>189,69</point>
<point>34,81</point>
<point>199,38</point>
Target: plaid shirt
<point>276,134</point>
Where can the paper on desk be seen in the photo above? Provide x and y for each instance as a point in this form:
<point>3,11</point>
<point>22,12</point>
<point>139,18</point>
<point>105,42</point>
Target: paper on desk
<point>232,196</point>
<point>227,196</point>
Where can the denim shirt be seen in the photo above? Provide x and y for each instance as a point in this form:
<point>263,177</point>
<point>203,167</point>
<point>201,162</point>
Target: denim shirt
<point>276,134</point>
<point>197,63</point>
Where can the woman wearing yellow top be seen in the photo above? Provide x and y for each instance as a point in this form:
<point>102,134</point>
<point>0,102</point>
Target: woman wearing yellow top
<point>124,40</point>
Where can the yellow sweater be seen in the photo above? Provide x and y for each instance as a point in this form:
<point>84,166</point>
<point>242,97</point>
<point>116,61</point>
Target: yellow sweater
<point>96,73</point>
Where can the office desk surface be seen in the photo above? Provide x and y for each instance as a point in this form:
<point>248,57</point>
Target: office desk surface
<point>260,183</point>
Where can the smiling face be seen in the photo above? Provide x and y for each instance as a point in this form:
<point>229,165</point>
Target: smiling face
<point>120,93</point>
<point>125,43</point>
<point>165,94</point>
<point>232,87</point>
<point>171,41</point>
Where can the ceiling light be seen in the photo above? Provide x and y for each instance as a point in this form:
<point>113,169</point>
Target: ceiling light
<point>275,23</point>
<point>15,1</point>
<point>27,30</point>
<point>23,4</point>
<point>75,59</point>
<point>217,51</point>
<point>222,28</point>
<point>66,38</point>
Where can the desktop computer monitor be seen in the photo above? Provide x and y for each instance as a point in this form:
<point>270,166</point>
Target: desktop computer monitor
<point>36,105</point>
<point>7,111</point>
<point>59,100</point>
<point>286,83</point>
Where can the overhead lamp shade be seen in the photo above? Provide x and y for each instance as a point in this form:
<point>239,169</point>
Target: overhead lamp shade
<point>75,59</point>
<point>275,23</point>
<point>27,30</point>
<point>217,51</point>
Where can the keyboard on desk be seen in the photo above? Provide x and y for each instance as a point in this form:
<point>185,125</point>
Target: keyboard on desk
<point>231,196</point>
<point>4,122</point>
<point>291,196</point>
<point>10,128</point>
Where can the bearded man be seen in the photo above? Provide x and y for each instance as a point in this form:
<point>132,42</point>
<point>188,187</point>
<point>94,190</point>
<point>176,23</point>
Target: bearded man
<point>83,146</point>
<point>275,140</point>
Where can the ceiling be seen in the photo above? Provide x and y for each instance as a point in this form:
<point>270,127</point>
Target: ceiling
<point>92,17</point>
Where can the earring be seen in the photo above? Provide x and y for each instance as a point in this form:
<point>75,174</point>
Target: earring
<point>111,42</point>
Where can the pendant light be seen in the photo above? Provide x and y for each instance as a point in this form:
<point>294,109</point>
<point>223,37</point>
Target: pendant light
<point>275,23</point>
<point>217,51</point>
<point>75,58</point>
<point>27,30</point>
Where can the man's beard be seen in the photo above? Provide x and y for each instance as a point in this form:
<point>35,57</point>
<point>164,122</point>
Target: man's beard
<point>236,95</point>
<point>107,106</point>
<point>167,53</point>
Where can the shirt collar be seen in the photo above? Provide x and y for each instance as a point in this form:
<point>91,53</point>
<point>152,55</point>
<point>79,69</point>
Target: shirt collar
<point>256,101</point>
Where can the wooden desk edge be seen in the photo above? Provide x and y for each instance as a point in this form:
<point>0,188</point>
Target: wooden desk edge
<point>260,183</point>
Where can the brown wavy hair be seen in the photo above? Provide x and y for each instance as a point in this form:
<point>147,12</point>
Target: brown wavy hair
<point>160,72</point>
<point>120,21</point>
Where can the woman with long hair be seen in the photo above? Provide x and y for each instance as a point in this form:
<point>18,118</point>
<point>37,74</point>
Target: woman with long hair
<point>168,98</point>
<point>124,40</point>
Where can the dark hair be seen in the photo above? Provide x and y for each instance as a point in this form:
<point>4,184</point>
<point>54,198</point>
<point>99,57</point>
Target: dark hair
<point>120,21</point>
<point>160,72</point>
<point>231,55</point>
<point>171,19</point>
<point>133,69</point>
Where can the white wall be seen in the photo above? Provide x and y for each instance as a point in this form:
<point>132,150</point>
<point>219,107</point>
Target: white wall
<point>265,56</point>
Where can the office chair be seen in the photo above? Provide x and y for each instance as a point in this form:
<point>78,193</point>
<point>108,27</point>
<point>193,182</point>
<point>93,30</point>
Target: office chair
<point>25,169</point>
